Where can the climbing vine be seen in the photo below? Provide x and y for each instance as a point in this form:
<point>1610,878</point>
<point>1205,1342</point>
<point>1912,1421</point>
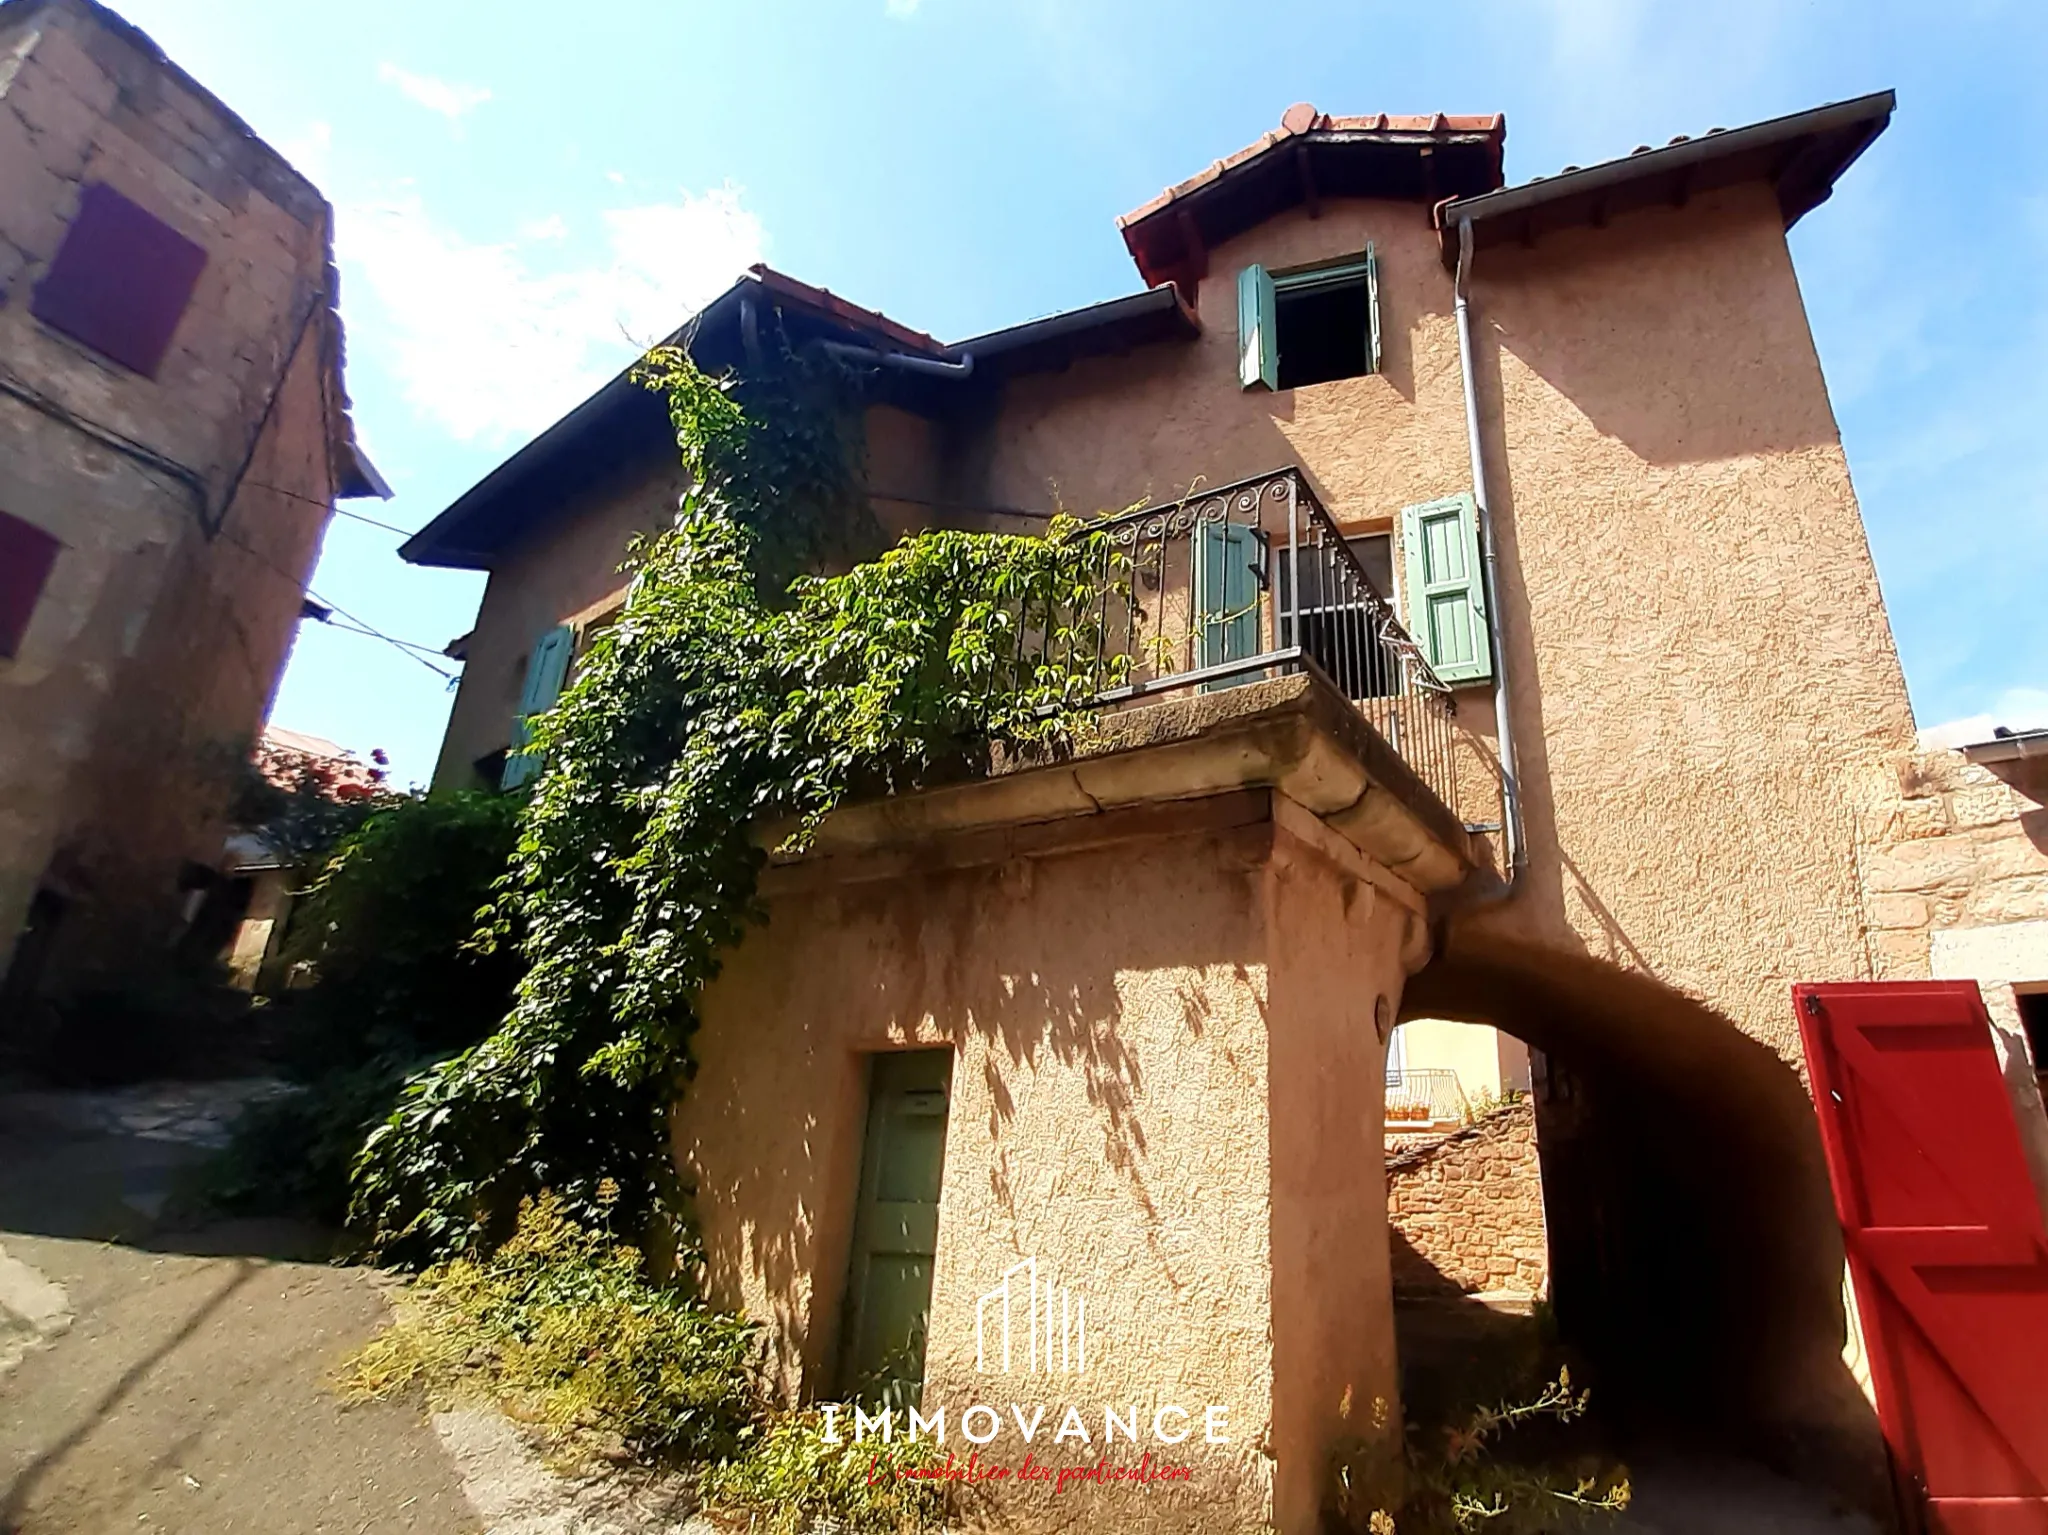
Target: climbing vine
<point>738,691</point>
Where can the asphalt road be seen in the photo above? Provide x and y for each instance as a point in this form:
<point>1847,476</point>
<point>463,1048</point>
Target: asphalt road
<point>178,1380</point>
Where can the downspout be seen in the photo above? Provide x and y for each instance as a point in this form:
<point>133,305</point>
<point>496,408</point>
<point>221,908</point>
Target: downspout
<point>1503,715</point>
<point>935,367</point>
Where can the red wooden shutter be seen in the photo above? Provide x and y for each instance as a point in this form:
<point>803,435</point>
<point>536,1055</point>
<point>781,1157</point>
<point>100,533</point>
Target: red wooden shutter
<point>1945,1242</point>
<point>121,280</point>
<point>27,554</point>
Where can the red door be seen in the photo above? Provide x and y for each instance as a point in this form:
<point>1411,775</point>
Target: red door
<point>1946,1248</point>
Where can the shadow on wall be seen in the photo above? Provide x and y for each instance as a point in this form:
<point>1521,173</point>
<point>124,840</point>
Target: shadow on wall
<point>923,952</point>
<point>1677,286</point>
<point>1695,1256</point>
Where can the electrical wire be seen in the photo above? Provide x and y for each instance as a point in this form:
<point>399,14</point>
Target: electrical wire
<point>405,648</point>
<point>339,511</point>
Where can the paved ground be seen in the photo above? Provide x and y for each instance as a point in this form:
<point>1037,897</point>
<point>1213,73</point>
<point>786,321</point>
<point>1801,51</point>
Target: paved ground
<point>157,1378</point>
<point>176,1380</point>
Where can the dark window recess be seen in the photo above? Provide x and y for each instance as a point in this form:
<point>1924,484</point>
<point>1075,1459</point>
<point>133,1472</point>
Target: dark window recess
<point>121,280</point>
<point>26,555</point>
<point>1337,628</point>
<point>490,769</point>
<point>1323,334</point>
<point>2034,1019</point>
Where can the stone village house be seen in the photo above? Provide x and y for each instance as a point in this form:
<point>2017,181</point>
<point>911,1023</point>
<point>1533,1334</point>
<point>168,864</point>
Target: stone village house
<point>1105,1038</point>
<point>173,436</point>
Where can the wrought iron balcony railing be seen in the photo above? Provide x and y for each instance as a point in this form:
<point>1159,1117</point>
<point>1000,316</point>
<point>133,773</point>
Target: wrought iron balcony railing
<point>1424,1096</point>
<point>1254,580</point>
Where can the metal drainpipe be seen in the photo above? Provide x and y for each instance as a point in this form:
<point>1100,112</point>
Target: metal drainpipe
<point>1503,715</point>
<point>936,367</point>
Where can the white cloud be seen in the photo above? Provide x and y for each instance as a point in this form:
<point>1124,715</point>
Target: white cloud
<point>447,98</point>
<point>491,341</point>
<point>903,10</point>
<point>2022,708</point>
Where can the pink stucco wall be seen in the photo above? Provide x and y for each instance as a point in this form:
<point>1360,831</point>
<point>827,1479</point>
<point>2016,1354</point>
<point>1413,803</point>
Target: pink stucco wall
<point>1125,1022</point>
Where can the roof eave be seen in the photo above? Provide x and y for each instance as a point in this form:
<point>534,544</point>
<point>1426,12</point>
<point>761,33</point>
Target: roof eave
<point>450,542</point>
<point>1817,147</point>
<point>1115,325</point>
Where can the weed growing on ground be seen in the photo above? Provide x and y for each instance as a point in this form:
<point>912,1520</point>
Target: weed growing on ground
<point>791,1477</point>
<point>1461,1482</point>
<point>562,1327</point>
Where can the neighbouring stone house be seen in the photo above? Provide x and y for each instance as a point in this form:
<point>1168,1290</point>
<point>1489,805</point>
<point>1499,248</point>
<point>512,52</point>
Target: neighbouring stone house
<point>1507,651</point>
<point>173,436</point>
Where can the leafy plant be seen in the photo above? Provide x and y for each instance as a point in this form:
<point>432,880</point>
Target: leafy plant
<point>386,934</point>
<point>791,1478</point>
<point>1462,1482</point>
<point>566,1329</point>
<point>708,712</point>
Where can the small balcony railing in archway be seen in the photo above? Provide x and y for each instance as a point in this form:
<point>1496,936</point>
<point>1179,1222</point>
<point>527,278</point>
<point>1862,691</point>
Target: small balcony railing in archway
<point>1254,580</point>
<point>1421,1097</point>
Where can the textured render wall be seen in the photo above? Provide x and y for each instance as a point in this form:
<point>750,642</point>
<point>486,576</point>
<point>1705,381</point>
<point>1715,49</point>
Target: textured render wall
<point>570,566</point>
<point>1108,1116</point>
<point>1683,559</point>
<point>154,651</point>
<point>1121,1020</point>
<point>1468,1209</point>
<point>1333,968</point>
<point>1706,690</point>
<point>1711,692</point>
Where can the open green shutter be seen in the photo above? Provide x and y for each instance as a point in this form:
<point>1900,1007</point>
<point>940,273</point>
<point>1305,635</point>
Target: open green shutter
<point>1446,589</point>
<point>1372,309</point>
<point>546,670</point>
<point>1258,335</point>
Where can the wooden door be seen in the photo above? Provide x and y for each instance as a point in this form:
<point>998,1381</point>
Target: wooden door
<point>896,1228</point>
<point>1945,1243</point>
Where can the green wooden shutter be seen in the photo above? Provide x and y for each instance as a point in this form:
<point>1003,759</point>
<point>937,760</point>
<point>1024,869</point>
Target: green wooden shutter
<point>1258,334</point>
<point>1446,590</point>
<point>1226,596</point>
<point>896,1228</point>
<point>1372,309</point>
<point>546,670</point>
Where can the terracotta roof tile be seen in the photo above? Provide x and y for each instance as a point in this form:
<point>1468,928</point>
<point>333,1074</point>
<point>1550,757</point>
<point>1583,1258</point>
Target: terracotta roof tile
<point>830,303</point>
<point>1303,118</point>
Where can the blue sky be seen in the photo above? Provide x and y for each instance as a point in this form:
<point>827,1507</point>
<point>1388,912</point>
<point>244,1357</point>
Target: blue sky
<point>525,192</point>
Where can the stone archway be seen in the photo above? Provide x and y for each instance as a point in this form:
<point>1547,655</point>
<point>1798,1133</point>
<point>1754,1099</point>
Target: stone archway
<point>1695,1257</point>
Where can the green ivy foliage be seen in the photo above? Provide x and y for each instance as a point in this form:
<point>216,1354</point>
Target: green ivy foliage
<point>733,695</point>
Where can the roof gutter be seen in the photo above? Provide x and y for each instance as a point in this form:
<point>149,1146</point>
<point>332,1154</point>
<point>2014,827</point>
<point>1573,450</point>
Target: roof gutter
<point>931,367</point>
<point>2017,747</point>
<point>1503,715</point>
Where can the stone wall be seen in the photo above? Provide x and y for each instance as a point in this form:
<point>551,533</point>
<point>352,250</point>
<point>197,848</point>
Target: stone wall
<point>1955,875</point>
<point>188,495</point>
<point>1467,1210</point>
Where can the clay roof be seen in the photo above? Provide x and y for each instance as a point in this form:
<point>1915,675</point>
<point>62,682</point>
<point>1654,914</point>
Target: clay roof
<point>1312,155</point>
<point>1801,155</point>
<point>826,304</point>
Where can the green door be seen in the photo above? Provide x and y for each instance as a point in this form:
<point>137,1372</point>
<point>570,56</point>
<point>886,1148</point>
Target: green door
<point>896,1228</point>
<point>1226,597</point>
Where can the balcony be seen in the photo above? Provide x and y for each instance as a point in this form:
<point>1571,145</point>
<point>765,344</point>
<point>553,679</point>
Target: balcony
<point>1425,1098</point>
<point>1251,581</point>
